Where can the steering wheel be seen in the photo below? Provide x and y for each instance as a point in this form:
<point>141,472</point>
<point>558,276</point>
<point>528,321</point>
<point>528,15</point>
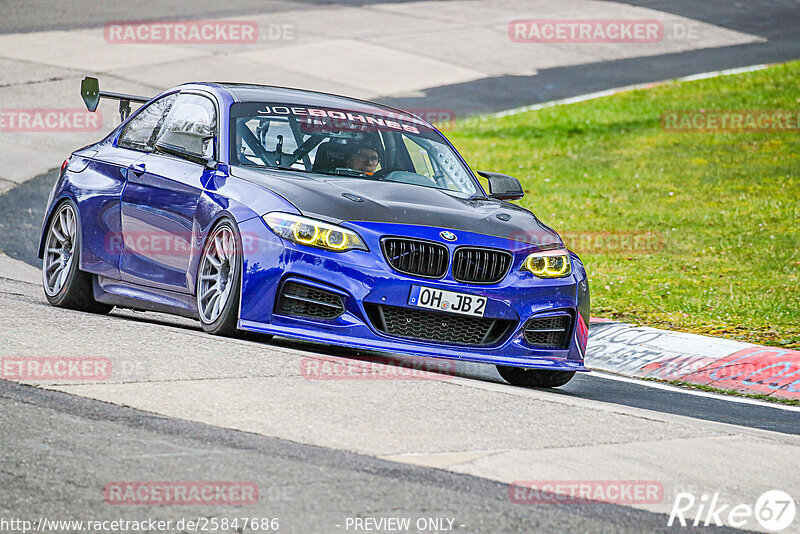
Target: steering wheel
<point>380,174</point>
<point>355,173</point>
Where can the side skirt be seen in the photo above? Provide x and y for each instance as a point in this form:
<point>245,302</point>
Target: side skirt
<point>136,297</point>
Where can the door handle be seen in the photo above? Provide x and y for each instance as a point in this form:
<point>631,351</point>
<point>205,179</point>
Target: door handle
<point>137,168</point>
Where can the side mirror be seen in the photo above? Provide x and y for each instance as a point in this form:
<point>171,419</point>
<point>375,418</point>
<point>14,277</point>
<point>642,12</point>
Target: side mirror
<point>502,186</point>
<point>192,142</point>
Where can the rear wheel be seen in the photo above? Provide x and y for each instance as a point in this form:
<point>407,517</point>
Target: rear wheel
<point>534,378</point>
<point>64,284</point>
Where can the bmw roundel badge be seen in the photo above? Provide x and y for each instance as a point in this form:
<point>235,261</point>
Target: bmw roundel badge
<point>449,236</point>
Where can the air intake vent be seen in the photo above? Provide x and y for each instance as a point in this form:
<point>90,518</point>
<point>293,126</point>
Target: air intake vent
<point>480,265</point>
<point>548,332</point>
<point>442,327</point>
<point>419,258</point>
<point>301,300</point>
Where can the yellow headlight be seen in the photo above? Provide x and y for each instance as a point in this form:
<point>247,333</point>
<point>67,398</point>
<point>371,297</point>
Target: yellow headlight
<point>335,239</point>
<point>313,233</point>
<point>305,233</point>
<point>548,264</point>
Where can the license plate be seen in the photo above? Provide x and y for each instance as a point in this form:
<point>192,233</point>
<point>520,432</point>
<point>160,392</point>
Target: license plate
<point>447,301</point>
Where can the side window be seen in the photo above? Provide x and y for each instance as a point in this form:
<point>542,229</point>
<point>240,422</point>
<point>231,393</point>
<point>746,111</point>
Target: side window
<point>191,125</point>
<point>140,133</point>
<point>419,157</point>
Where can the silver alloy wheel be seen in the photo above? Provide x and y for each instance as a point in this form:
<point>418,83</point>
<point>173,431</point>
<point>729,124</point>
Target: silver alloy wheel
<point>59,250</point>
<point>217,268</point>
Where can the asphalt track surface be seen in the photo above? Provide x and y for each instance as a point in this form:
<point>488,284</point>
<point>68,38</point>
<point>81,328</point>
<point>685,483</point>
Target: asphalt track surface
<point>57,473</point>
<point>58,451</point>
<point>775,20</point>
<point>310,489</point>
<point>43,15</point>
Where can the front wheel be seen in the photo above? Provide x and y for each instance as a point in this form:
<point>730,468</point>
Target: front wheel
<point>219,279</point>
<point>65,285</point>
<point>219,284</point>
<point>534,378</point>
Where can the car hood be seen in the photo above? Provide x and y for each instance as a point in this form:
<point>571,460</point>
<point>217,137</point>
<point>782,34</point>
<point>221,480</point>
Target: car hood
<point>337,199</point>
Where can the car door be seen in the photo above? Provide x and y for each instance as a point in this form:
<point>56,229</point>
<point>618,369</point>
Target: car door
<point>99,183</point>
<point>162,193</point>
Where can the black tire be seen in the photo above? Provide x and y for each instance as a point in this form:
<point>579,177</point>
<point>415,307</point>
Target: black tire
<point>534,378</point>
<point>76,290</point>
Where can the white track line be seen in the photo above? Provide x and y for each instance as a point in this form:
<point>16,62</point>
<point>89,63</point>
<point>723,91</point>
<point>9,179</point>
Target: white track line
<point>609,92</point>
<point>717,396</point>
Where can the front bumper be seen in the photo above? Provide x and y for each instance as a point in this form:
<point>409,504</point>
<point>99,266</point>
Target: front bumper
<point>365,278</point>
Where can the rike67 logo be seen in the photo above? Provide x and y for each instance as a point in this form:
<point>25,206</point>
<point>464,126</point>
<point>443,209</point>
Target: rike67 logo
<point>774,511</point>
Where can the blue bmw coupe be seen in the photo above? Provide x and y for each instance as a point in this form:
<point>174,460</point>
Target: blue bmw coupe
<point>316,217</point>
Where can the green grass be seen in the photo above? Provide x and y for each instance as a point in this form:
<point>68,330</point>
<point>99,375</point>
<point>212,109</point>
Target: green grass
<point>722,207</point>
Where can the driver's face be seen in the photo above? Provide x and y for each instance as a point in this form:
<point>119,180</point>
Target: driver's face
<point>364,160</point>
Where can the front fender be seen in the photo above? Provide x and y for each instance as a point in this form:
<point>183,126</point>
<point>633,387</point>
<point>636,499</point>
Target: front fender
<point>240,201</point>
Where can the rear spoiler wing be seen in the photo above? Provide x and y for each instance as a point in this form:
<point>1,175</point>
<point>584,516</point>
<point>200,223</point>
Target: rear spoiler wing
<point>91,93</point>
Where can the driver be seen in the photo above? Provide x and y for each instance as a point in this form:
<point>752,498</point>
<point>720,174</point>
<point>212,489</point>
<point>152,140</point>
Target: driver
<point>364,159</point>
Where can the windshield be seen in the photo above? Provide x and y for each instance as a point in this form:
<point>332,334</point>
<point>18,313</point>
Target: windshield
<point>348,143</point>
